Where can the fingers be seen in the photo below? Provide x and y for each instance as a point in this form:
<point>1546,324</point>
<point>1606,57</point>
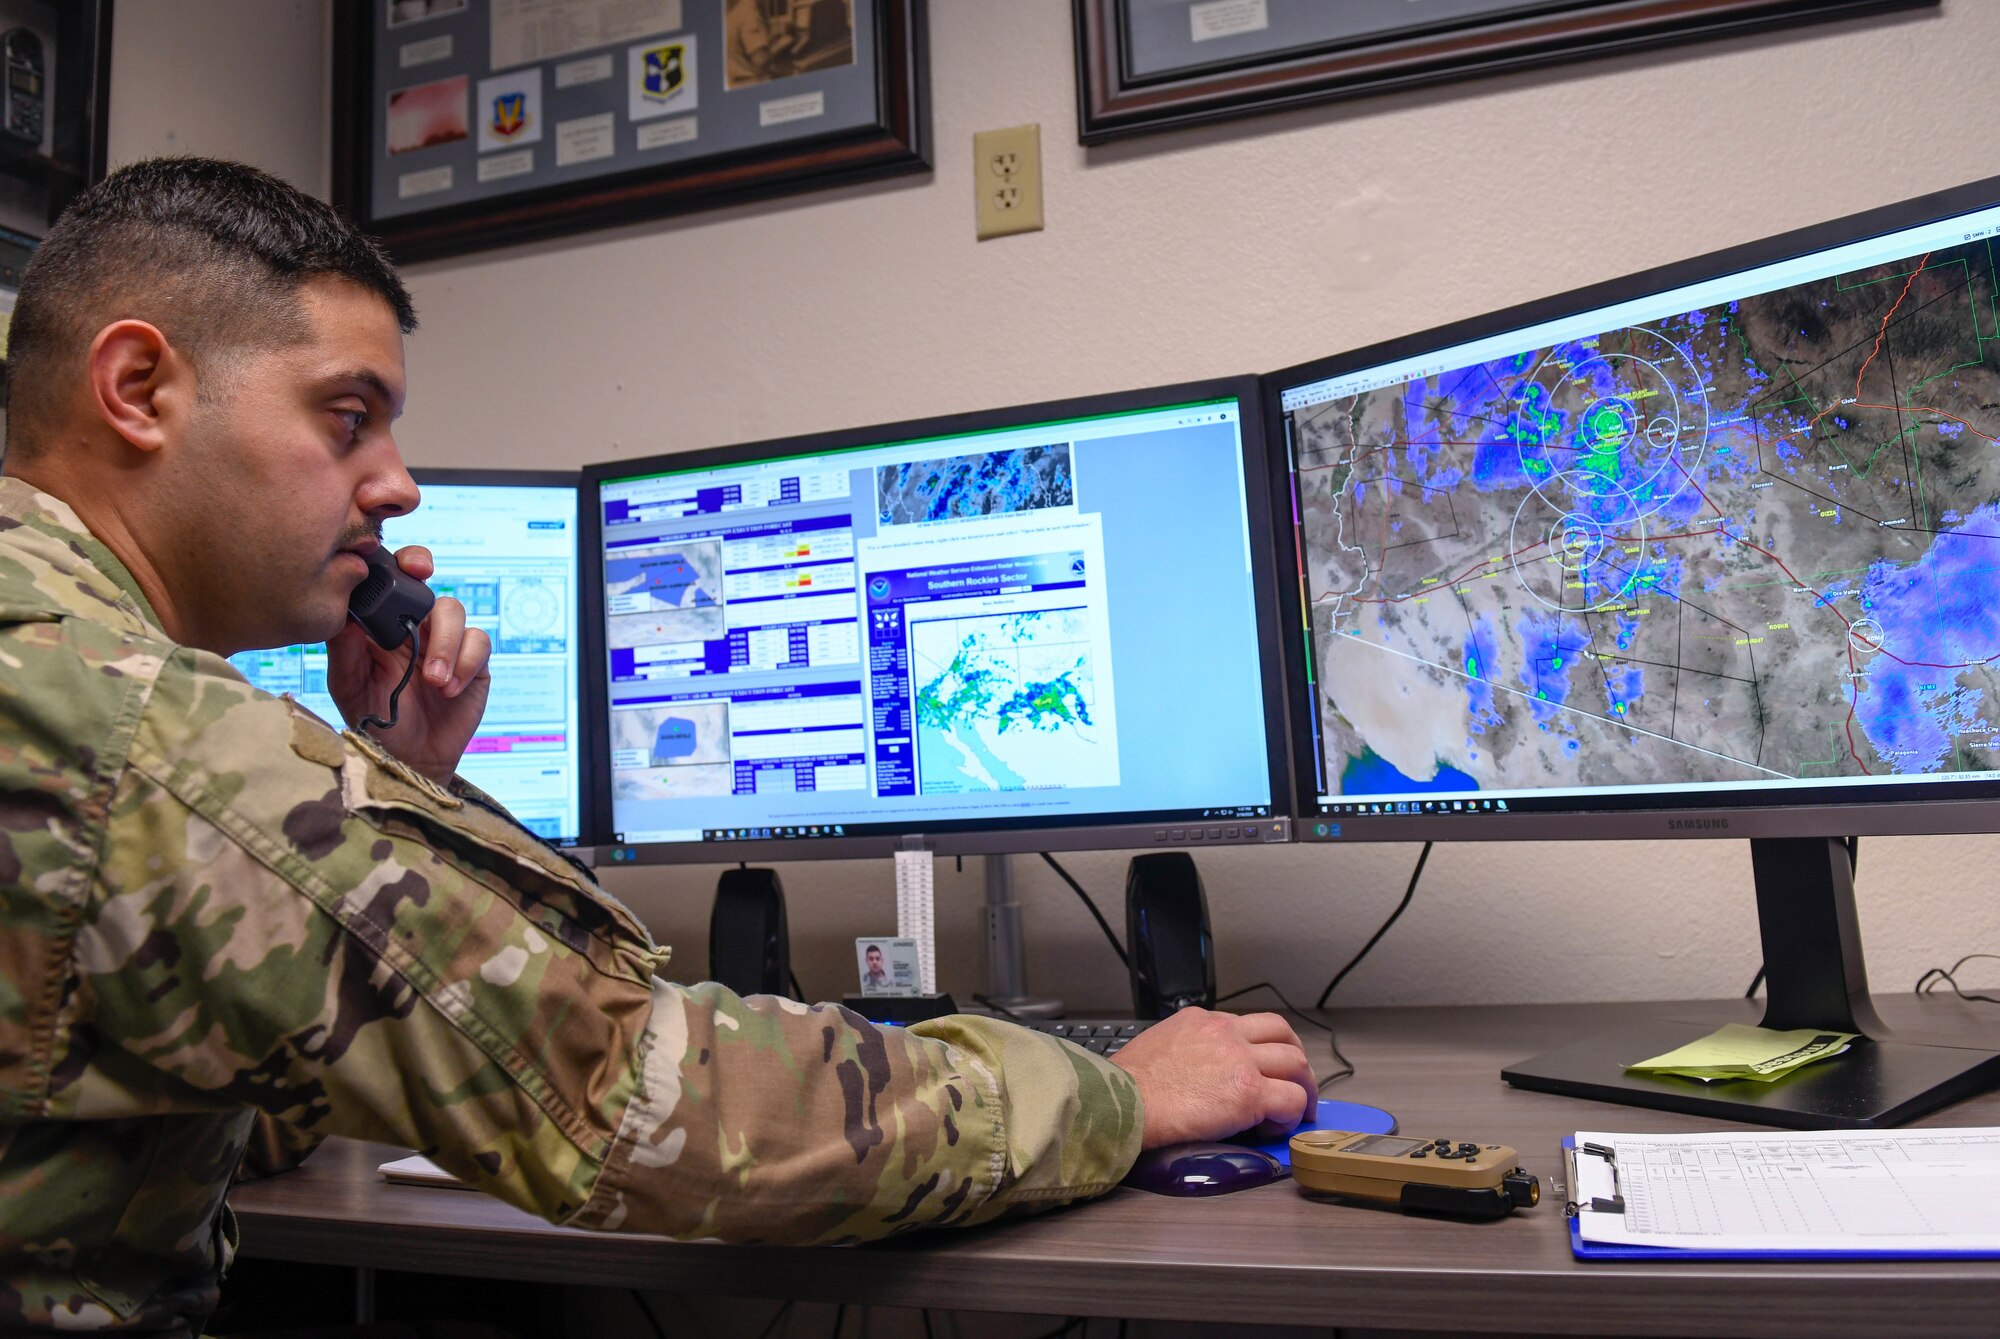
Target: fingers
<point>444,634</point>
<point>1267,1028</point>
<point>1279,1061</point>
<point>417,561</point>
<point>1284,1103</point>
<point>1287,1065</point>
<point>473,653</point>
<point>454,654</point>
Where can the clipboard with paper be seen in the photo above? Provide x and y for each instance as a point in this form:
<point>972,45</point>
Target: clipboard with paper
<point>1785,1195</point>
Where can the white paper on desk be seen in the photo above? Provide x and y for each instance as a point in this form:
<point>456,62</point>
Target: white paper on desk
<point>1834,1190</point>
<point>418,1170</point>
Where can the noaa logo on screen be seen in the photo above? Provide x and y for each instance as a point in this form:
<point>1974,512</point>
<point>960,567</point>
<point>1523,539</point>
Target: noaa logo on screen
<point>510,115</point>
<point>878,588</point>
<point>1076,567</point>
<point>665,71</point>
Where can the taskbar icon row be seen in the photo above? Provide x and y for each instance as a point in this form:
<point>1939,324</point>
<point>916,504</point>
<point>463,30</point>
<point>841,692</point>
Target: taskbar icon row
<point>1374,810</point>
<point>773,834</point>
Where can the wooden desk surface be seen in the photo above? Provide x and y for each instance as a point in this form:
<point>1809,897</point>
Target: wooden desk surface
<point>1267,1255</point>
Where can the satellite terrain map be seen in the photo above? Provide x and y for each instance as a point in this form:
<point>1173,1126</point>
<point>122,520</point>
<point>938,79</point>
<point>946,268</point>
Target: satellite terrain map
<point>1753,541</point>
<point>992,483</point>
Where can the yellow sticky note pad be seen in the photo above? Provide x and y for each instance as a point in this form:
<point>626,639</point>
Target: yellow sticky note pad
<point>1738,1051</point>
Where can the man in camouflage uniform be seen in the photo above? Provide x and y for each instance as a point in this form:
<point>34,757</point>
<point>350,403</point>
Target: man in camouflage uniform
<point>215,907</point>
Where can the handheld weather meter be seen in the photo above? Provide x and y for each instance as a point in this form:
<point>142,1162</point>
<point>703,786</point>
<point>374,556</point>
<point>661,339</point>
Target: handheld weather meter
<point>1440,1176</point>
<point>27,86</point>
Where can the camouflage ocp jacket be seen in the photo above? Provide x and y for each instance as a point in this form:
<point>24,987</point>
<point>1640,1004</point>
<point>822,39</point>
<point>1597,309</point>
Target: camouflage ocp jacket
<point>213,905</point>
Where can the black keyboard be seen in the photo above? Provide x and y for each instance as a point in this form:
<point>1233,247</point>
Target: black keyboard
<point>1105,1036</point>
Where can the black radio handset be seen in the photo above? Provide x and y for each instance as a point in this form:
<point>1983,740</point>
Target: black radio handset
<point>390,605</point>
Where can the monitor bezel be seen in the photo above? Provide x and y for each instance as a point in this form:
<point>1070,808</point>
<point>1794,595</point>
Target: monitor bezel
<point>588,828</point>
<point>1814,813</point>
<point>980,836</point>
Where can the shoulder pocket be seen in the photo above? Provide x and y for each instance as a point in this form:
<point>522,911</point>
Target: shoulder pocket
<point>554,894</point>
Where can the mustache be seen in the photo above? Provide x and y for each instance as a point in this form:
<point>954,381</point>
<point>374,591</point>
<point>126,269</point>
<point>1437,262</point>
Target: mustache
<point>355,534</point>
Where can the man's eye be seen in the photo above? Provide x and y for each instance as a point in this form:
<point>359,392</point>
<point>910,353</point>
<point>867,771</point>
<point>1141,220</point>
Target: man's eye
<point>355,419</point>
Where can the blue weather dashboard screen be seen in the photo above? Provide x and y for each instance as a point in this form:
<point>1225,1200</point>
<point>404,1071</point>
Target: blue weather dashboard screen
<point>1739,536</point>
<point>508,553</point>
<point>1046,623</point>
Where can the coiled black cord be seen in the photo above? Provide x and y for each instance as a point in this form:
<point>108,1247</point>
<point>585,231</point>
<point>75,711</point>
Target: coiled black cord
<point>416,654</point>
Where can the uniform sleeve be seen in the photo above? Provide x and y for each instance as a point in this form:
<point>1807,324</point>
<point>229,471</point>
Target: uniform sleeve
<point>288,918</point>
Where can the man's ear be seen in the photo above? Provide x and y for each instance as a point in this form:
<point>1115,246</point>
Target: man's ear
<point>139,384</point>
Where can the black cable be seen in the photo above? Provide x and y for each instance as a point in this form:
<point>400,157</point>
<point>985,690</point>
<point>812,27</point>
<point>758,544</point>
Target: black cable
<point>782,1312</point>
<point>1929,980</point>
<point>416,653</point>
<point>1346,1070</point>
<point>1102,924</point>
<point>986,1002</point>
<point>1853,845</point>
<point>647,1311</point>
<point>1354,962</point>
<point>798,991</point>
<point>1068,1327</point>
<point>839,1316</point>
<point>926,1314</point>
<point>1291,1008</point>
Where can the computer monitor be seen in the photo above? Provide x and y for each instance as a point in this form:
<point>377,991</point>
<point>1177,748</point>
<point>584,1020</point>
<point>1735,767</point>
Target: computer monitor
<point>505,542</point>
<point>1708,551</point>
<point>1041,627</point>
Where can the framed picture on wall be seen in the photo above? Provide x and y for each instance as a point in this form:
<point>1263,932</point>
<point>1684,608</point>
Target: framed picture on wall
<point>466,124</point>
<point>1149,65</point>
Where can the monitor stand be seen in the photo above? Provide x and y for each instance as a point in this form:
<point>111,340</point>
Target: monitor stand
<point>1006,948</point>
<point>1814,979</point>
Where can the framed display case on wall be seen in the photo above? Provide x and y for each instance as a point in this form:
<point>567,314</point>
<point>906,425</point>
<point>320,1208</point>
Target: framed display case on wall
<point>54,100</point>
<point>54,112</point>
<point>466,124</point>
<point>1149,65</point>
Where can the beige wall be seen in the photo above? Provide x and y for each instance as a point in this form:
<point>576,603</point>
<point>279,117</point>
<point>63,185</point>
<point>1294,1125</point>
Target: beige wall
<point>1233,249</point>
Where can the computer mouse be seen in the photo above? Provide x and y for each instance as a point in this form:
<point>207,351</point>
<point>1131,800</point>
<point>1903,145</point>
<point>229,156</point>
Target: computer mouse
<point>1203,1169</point>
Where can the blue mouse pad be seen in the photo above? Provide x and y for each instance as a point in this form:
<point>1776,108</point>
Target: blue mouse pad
<point>1332,1116</point>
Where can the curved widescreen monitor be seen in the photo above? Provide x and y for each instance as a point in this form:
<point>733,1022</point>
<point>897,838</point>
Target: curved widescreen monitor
<point>1049,626</point>
<point>1712,550</point>
<point>505,542</point>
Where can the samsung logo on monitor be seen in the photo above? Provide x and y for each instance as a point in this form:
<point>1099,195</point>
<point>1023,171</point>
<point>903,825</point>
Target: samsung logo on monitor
<point>1696,824</point>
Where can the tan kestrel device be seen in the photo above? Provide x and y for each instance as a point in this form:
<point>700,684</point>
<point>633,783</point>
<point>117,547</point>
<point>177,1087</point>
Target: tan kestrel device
<point>1442,1176</point>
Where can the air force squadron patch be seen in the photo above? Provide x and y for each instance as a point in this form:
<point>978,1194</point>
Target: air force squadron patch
<point>510,110</point>
<point>509,115</point>
<point>661,77</point>
<point>665,72</point>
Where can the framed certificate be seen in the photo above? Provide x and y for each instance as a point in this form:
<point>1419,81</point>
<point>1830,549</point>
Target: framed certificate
<point>466,124</point>
<point>1149,65</point>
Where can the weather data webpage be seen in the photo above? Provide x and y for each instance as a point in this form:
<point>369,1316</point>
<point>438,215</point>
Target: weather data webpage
<point>1739,536</point>
<point>1050,623</point>
<point>508,554</point>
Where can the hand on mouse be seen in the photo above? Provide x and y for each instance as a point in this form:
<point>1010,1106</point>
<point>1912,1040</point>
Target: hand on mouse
<point>1205,1075</point>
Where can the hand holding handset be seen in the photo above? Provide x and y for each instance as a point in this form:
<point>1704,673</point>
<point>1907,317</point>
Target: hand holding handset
<point>390,605</point>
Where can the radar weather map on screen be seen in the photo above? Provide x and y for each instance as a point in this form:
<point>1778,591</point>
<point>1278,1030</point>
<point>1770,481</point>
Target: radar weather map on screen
<point>1741,535</point>
<point>989,626</point>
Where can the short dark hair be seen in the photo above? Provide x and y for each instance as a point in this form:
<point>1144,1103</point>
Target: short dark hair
<point>211,252</point>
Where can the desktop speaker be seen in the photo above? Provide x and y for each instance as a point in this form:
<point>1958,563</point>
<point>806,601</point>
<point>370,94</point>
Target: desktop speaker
<point>749,949</point>
<point>1166,935</point>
